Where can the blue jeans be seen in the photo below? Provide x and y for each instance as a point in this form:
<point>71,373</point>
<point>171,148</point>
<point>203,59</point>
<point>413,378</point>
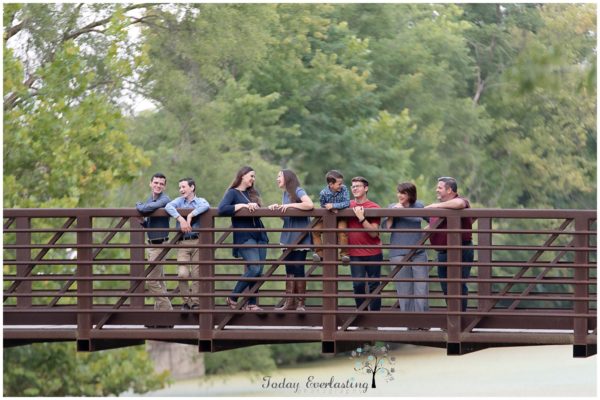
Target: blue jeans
<point>253,270</point>
<point>362,271</point>
<point>467,257</point>
<point>296,269</point>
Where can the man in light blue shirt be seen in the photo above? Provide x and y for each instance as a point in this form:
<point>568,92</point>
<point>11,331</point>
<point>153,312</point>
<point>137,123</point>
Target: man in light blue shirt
<point>188,200</point>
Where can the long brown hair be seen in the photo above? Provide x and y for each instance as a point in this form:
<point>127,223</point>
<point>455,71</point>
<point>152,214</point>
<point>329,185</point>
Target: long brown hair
<point>291,184</point>
<point>252,192</point>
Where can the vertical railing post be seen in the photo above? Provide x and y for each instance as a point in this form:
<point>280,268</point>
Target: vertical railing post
<point>453,323</point>
<point>136,254</point>
<point>581,290</point>
<point>207,286</point>
<point>484,256</point>
<point>329,286</point>
<point>23,238</point>
<point>84,269</point>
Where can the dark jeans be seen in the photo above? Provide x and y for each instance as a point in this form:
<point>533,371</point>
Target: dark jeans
<point>465,272</point>
<point>362,271</point>
<point>253,269</point>
<point>296,269</point>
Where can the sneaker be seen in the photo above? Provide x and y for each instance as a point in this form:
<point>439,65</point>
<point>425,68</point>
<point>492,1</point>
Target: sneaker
<point>316,258</point>
<point>345,260</point>
<point>195,307</point>
<point>159,326</point>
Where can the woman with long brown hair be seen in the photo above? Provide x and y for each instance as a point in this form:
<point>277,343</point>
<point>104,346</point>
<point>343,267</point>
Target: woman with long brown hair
<point>293,197</point>
<point>242,194</point>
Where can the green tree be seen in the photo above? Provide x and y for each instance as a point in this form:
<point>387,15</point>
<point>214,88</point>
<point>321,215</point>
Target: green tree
<point>420,61</point>
<point>205,109</point>
<point>545,134</point>
<point>64,141</point>
<point>65,146</point>
<point>56,369</point>
<point>319,69</point>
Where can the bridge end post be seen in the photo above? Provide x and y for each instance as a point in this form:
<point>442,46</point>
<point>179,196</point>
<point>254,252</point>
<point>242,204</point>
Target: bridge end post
<point>581,325</point>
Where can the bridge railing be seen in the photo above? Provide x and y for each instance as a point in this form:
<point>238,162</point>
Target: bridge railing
<point>80,274</point>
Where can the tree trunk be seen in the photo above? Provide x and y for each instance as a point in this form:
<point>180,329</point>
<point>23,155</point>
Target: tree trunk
<point>373,386</point>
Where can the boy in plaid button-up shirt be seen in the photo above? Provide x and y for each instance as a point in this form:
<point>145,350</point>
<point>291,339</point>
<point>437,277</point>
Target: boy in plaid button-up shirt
<point>334,197</point>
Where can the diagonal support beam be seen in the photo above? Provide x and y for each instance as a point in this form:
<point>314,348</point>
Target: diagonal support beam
<point>136,284</point>
<point>150,268</point>
<point>312,267</point>
<point>393,273</point>
<point>29,268</point>
<point>8,223</point>
<point>539,277</point>
<point>519,274</point>
<point>254,288</point>
<point>70,282</point>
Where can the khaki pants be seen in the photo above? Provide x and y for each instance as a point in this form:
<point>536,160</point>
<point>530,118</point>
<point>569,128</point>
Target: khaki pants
<point>189,271</point>
<point>158,287</point>
<point>342,237</point>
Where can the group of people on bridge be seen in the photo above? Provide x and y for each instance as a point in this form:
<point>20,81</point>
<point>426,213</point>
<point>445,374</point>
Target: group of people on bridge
<point>363,231</point>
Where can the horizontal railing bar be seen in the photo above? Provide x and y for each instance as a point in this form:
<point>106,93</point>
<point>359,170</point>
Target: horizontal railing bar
<point>264,212</point>
<point>280,292</point>
<point>226,310</point>
<point>298,246</point>
<point>275,230</point>
<point>222,261</point>
<point>275,278</point>
<point>340,295</point>
<point>317,294</point>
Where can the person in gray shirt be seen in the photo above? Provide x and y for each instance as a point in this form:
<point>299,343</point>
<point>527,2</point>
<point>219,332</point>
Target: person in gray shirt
<point>407,198</point>
<point>157,199</point>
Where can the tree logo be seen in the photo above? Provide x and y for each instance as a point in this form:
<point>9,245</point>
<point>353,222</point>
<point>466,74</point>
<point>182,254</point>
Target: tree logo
<point>374,360</point>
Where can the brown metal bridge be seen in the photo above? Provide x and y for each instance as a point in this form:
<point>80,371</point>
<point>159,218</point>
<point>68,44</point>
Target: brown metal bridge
<point>79,275</point>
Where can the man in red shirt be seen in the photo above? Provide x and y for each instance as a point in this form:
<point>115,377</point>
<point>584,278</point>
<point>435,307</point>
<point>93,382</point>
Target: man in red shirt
<point>447,194</point>
<point>369,238</point>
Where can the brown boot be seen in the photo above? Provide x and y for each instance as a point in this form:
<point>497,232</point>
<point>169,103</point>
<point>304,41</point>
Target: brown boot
<point>300,288</point>
<point>290,302</point>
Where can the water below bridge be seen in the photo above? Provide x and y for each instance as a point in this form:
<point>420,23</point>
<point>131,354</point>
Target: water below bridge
<point>537,371</point>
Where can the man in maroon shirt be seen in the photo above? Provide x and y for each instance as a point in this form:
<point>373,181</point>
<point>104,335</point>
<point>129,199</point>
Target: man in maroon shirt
<point>447,194</point>
<point>369,238</point>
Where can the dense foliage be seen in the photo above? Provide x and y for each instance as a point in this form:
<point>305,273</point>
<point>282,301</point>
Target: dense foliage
<point>56,369</point>
<point>65,146</point>
<point>503,97</point>
<point>500,96</point>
